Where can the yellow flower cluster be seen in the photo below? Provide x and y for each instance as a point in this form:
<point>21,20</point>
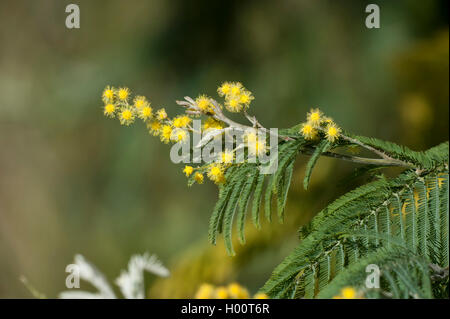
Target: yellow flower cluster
<point>237,98</point>
<point>118,103</point>
<point>317,123</point>
<point>204,103</point>
<point>211,123</point>
<point>214,171</point>
<point>232,291</point>
<point>348,293</point>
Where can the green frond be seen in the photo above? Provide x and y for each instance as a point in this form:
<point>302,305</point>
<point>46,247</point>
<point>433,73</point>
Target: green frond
<point>322,147</point>
<point>245,180</point>
<point>244,199</point>
<point>257,195</point>
<point>393,213</point>
<point>230,211</point>
<point>348,200</point>
<point>426,160</point>
<point>217,215</point>
<point>403,275</point>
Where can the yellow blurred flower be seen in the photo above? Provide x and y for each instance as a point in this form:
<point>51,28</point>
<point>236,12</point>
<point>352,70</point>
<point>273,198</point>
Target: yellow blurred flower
<point>232,291</point>
<point>205,292</point>
<point>221,293</point>
<point>348,293</point>
<point>236,291</point>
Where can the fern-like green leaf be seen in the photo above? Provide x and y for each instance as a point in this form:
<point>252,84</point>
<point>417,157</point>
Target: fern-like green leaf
<point>321,148</point>
<point>404,275</point>
<point>384,214</point>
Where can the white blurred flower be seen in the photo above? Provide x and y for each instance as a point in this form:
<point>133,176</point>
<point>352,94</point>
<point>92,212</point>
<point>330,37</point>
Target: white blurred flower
<point>130,281</point>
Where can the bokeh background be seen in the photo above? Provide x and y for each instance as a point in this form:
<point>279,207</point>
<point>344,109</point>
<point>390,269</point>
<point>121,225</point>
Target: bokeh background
<point>72,181</point>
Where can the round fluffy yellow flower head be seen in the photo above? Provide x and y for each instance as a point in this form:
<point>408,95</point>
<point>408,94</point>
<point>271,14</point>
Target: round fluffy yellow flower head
<point>245,98</point>
<point>181,121</point>
<point>154,127</point>
<point>211,123</point>
<point>204,103</point>
<point>250,136</point>
<point>226,157</point>
<point>236,88</point>
<point>179,135</point>
<point>236,96</point>
<point>205,292</point>
<point>109,110</point>
<point>188,170</point>
<point>165,133</point>
<point>140,102</point>
<point>186,120</point>
<point>198,177</point>
<point>177,122</point>
<point>257,148</point>
<point>108,94</point>
<point>260,295</point>
<point>126,116</point>
<point>327,120</point>
<point>236,291</point>
<point>123,94</point>
<point>215,173</point>
<point>161,114</point>
<point>145,112</point>
<point>314,117</point>
<point>224,89</point>
<point>332,132</point>
<point>233,104</point>
<point>308,131</point>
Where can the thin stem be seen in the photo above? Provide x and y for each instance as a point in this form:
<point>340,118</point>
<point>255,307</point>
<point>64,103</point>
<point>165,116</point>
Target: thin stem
<point>378,152</point>
<point>218,115</point>
<point>357,159</point>
<point>370,148</point>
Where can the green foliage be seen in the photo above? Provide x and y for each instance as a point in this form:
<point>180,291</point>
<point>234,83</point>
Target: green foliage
<point>426,160</point>
<point>246,180</point>
<point>401,224</point>
<point>404,275</point>
<point>321,148</point>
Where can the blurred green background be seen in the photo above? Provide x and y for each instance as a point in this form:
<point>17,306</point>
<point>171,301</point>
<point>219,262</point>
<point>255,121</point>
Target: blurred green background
<point>72,181</point>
